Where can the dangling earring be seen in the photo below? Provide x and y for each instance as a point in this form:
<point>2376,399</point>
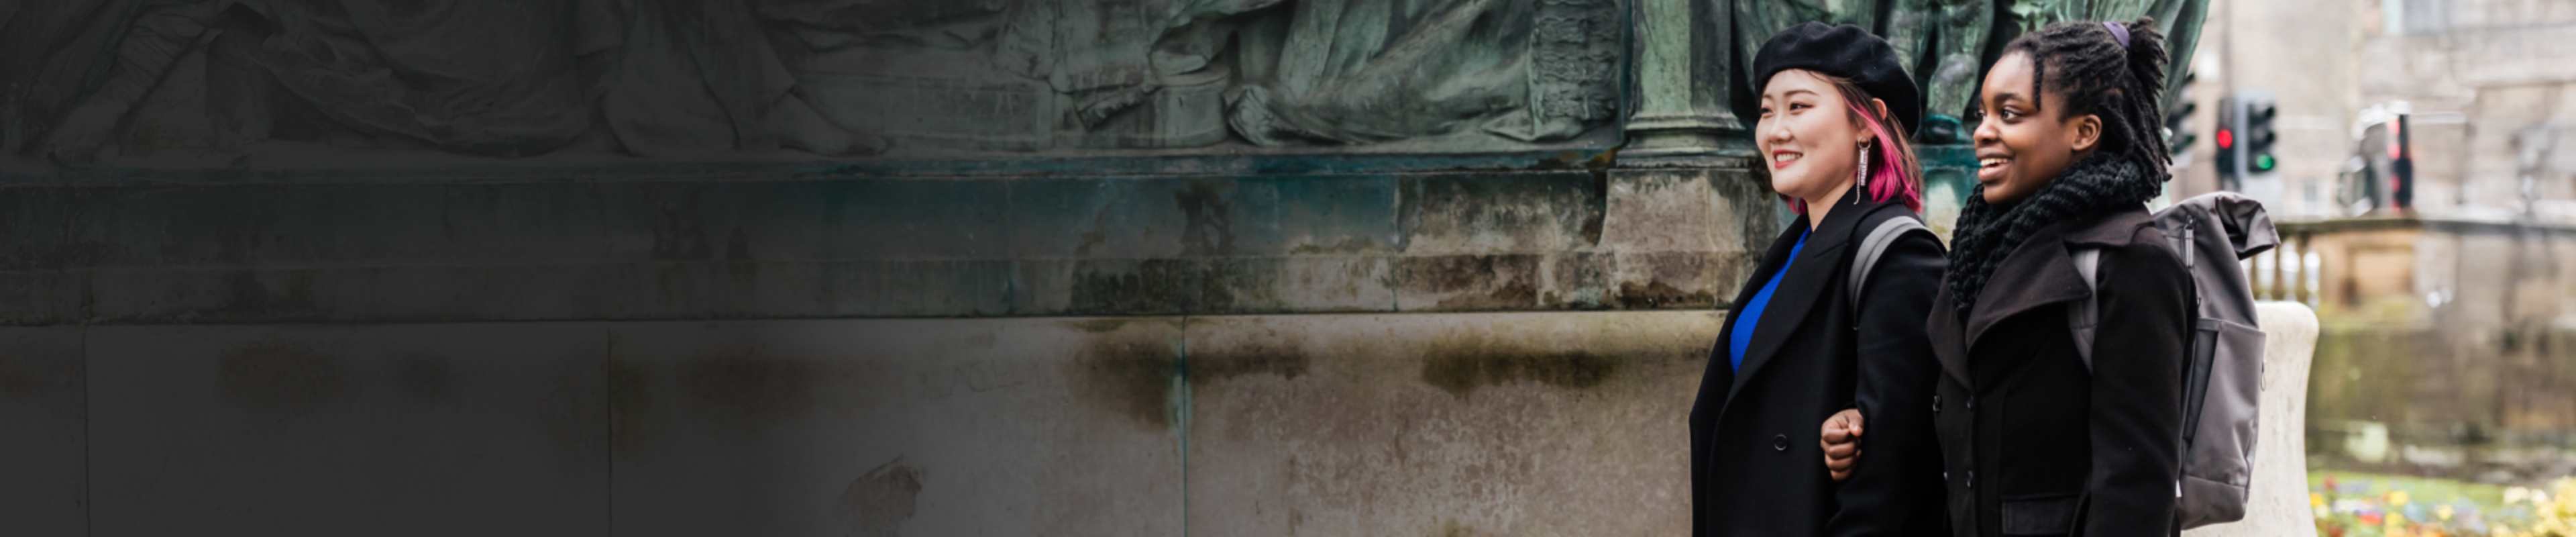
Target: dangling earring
<point>1862,181</point>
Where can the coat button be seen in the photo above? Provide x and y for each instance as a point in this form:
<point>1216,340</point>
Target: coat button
<point>1972,479</point>
<point>1936,404</point>
<point>1972,403</point>
<point>1779,442</point>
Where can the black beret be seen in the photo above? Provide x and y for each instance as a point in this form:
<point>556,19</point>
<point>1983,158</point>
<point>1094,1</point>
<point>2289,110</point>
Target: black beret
<point>1845,51</point>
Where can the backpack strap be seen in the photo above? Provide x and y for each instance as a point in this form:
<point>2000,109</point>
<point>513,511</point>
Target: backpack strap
<point>2083,315</point>
<point>1875,246</point>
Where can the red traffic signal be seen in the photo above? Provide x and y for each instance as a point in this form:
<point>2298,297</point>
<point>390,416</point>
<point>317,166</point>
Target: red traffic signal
<point>2226,139</point>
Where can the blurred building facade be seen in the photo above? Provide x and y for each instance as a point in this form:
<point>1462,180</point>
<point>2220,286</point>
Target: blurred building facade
<point>2446,320</point>
<point>2488,86</point>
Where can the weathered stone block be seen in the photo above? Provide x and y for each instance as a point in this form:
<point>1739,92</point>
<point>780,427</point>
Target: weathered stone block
<point>43,297</point>
<point>884,427</point>
<point>1299,284</point>
<point>231,295</point>
<point>1449,424</point>
<point>322,224</point>
<point>34,228</point>
<point>45,400</point>
<point>1119,217</point>
<point>1575,281</point>
<point>1500,282</point>
<point>190,226</point>
<point>507,223</point>
<point>1108,286</point>
<point>1467,282</point>
<point>919,288</point>
<point>716,220</point>
<point>1665,210</point>
<point>1314,215</point>
<point>1752,214</point>
<point>729,290</point>
<point>877,218</point>
<point>1500,212</point>
<point>472,293</point>
<point>337,430</point>
<point>1651,280</point>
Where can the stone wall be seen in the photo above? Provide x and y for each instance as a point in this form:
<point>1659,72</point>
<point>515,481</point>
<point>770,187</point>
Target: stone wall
<point>1442,423</point>
<point>1499,344</point>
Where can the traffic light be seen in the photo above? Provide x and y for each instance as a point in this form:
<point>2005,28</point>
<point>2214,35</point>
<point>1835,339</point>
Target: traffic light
<point>2260,134</point>
<point>2178,136</point>
<point>2401,164</point>
<point>2245,138</point>
<point>2230,175</point>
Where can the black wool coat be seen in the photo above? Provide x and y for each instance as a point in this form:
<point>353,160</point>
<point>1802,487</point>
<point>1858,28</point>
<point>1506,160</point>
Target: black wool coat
<point>1755,466</point>
<point>2032,442</point>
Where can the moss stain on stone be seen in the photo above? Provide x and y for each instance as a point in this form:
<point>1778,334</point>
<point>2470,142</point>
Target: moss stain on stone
<point>16,377</point>
<point>1096,326</point>
<point>1657,294</point>
<point>1347,245</point>
<point>271,376</point>
<point>1460,367</point>
<point>749,384</point>
<point>1518,293</point>
<point>1476,282</point>
<point>1278,358</point>
<point>1132,377</point>
<point>634,416</point>
<point>1153,286</point>
<point>1209,229</point>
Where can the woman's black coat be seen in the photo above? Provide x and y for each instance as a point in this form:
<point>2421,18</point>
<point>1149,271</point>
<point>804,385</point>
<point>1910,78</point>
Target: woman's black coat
<point>1755,465</point>
<point>2032,443</point>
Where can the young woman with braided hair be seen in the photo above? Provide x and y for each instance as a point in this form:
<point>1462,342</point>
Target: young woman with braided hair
<point>2035,440</point>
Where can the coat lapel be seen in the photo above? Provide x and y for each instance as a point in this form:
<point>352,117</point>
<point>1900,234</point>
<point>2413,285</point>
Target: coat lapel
<point>1720,373</point>
<point>1949,343</point>
<point>1797,294</point>
<point>2041,272</point>
<point>1815,269</point>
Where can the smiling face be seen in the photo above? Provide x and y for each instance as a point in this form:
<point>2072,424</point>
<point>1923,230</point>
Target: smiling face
<point>2023,143</point>
<point>1807,135</point>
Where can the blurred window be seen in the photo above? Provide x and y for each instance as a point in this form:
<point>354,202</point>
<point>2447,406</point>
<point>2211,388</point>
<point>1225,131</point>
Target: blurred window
<point>2418,16</point>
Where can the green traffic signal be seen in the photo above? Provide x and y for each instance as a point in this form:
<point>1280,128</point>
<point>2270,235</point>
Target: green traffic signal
<point>2260,133</point>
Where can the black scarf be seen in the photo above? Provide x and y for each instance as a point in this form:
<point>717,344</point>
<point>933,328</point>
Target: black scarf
<point>1986,233</point>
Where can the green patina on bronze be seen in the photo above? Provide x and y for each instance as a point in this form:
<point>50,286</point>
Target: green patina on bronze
<point>920,77</point>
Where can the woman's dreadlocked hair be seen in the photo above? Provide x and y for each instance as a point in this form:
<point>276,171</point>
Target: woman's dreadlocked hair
<point>2087,64</point>
<point>2124,85</point>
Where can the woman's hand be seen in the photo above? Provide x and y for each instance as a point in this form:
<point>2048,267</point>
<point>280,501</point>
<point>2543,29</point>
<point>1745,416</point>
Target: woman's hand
<point>1841,440</point>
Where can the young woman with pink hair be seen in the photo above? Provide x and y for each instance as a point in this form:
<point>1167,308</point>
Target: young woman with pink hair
<point>1832,317</point>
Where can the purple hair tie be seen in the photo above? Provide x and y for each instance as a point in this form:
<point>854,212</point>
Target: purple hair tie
<point>2118,32</point>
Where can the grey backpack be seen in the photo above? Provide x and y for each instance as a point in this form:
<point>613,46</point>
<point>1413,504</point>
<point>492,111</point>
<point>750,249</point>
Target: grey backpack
<point>1875,246</point>
<point>2222,379</point>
